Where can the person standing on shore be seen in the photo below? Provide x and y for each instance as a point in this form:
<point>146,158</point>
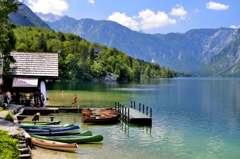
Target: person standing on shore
<point>9,97</point>
<point>74,101</point>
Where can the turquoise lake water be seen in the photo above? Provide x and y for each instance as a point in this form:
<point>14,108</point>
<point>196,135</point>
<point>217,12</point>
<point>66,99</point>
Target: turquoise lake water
<point>193,118</point>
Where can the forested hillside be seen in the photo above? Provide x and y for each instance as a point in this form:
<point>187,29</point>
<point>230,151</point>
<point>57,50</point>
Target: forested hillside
<point>77,60</point>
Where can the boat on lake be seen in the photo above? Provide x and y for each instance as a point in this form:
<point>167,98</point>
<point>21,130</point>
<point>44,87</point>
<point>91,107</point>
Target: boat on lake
<point>71,138</point>
<point>99,111</point>
<point>54,145</point>
<point>101,119</point>
<point>67,130</point>
<point>41,123</point>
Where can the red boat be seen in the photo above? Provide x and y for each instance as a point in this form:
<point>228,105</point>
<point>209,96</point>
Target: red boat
<point>99,111</point>
<point>101,119</point>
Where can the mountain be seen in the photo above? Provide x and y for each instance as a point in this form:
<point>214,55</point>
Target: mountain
<point>206,52</point>
<point>48,17</point>
<point>226,63</point>
<point>186,52</point>
<point>25,17</point>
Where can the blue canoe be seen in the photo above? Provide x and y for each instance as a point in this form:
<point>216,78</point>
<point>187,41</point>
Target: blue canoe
<point>68,130</point>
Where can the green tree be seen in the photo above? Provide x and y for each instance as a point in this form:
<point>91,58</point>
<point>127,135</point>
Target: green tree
<point>7,37</point>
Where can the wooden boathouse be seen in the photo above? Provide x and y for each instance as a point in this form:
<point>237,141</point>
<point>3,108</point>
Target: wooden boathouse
<point>31,72</point>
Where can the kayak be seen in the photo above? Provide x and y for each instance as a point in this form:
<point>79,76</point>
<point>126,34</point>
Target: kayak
<point>42,123</point>
<point>44,126</point>
<point>67,130</point>
<point>55,145</point>
<point>71,138</point>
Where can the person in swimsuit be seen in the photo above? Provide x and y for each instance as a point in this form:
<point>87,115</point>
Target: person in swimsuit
<point>74,101</point>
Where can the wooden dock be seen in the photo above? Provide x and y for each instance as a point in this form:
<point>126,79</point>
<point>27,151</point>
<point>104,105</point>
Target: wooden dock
<point>142,115</point>
<point>42,111</point>
<point>138,117</point>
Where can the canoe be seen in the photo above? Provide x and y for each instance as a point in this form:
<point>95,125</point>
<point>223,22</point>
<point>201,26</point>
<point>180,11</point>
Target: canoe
<point>71,138</point>
<point>68,130</point>
<point>101,119</point>
<point>44,126</point>
<point>83,133</point>
<point>99,111</point>
<point>54,145</point>
<point>42,123</point>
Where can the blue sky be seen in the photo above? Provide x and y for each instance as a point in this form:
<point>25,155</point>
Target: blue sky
<point>150,16</point>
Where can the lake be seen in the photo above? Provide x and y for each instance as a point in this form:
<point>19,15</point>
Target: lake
<point>193,118</point>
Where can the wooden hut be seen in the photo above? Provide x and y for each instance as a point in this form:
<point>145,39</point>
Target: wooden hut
<point>31,73</point>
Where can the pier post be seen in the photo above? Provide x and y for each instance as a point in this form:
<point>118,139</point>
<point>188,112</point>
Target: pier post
<point>134,104</point>
<point>125,109</point>
<point>143,108</point>
<point>128,115</point>
<point>139,108</point>
<point>147,110</point>
<point>151,112</point>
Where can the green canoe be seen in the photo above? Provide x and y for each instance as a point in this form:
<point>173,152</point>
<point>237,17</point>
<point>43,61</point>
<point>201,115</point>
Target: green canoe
<point>71,138</point>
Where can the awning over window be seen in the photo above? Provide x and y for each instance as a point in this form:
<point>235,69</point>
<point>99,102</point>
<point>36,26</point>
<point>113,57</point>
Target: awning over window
<point>25,82</point>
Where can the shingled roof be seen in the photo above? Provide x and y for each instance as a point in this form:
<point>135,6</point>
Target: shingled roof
<point>35,64</point>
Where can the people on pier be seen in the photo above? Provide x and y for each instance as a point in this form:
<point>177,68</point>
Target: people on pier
<point>74,101</point>
<point>42,100</point>
<point>32,103</point>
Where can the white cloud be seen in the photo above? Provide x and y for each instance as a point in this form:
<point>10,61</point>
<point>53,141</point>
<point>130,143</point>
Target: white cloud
<point>234,26</point>
<point>146,19</point>
<point>48,6</point>
<point>179,11</point>
<point>122,19</point>
<point>216,6</point>
<point>149,19</point>
<point>91,1</point>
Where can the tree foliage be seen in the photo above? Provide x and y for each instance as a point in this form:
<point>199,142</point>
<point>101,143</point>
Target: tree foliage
<point>7,37</point>
<point>77,60</point>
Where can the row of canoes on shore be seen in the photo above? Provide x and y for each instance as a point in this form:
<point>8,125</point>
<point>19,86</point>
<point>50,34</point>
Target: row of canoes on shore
<point>59,137</point>
<point>65,137</point>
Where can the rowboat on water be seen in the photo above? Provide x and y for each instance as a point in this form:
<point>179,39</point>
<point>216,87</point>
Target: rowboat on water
<point>99,111</point>
<point>67,130</point>
<point>54,145</point>
<point>101,119</point>
<point>42,123</point>
<point>71,138</point>
<point>44,126</point>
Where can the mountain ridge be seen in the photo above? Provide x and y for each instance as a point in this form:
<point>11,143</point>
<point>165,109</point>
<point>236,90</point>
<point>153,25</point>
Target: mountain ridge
<point>183,52</point>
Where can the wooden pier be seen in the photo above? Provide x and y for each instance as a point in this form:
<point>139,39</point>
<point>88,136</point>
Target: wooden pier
<point>142,115</point>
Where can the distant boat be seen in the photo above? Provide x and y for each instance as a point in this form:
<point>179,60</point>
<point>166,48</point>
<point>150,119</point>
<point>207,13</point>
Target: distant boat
<point>67,130</point>
<point>71,138</point>
<point>42,123</point>
<point>54,145</point>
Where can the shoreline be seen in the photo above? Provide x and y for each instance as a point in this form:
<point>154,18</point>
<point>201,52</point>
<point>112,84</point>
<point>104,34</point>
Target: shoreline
<point>11,127</point>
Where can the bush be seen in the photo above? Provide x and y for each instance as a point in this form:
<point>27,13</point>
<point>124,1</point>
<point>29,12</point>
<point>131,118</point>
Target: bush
<point>8,146</point>
<point>9,116</point>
